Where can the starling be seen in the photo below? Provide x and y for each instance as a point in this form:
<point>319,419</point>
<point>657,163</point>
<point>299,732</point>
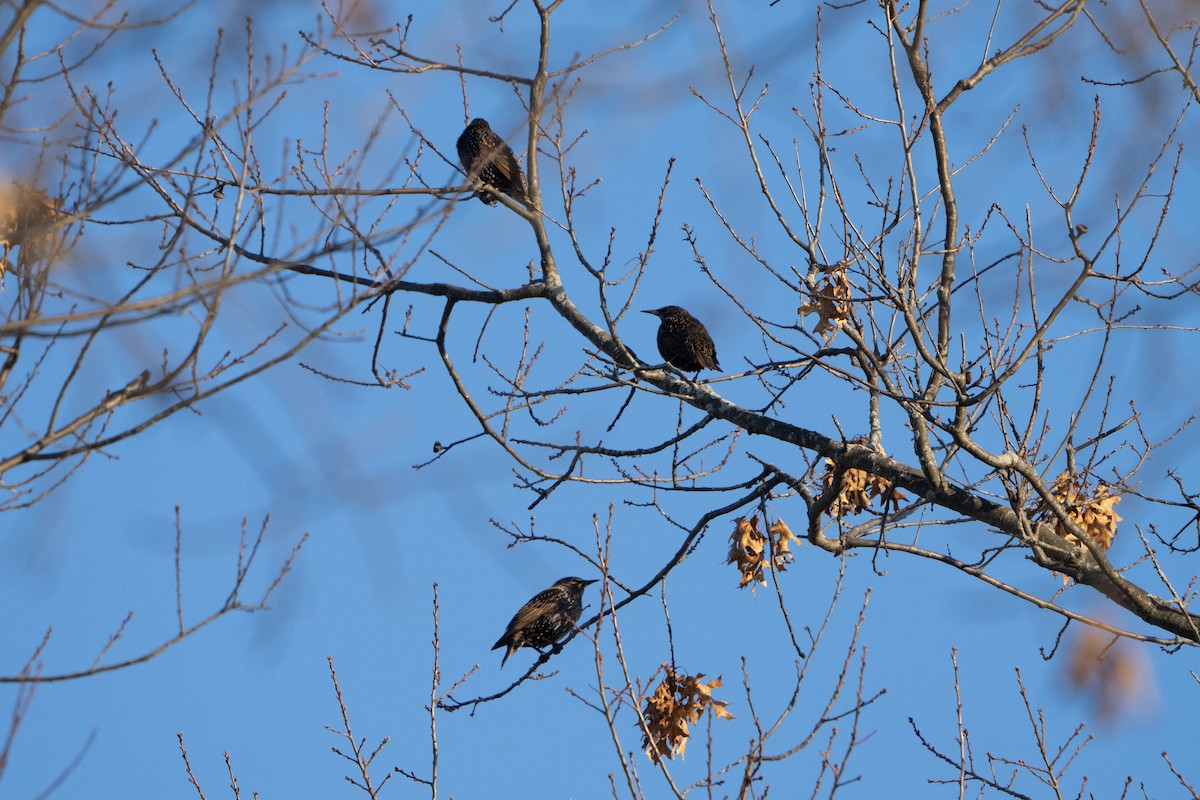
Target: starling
<point>545,619</point>
<point>684,341</point>
<point>486,158</point>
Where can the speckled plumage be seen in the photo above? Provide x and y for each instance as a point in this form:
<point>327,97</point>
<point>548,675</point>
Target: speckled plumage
<point>546,618</point>
<point>488,159</point>
<point>684,341</point>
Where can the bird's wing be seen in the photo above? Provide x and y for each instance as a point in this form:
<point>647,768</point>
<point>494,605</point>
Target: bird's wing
<point>507,165</point>
<point>531,610</point>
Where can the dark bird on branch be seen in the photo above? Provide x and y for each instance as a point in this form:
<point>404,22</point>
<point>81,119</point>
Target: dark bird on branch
<point>684,341</point>
<point>487,159</point>
<point>545,619</point>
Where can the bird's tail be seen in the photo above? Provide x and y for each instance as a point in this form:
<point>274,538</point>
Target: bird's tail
<point>508,652</point>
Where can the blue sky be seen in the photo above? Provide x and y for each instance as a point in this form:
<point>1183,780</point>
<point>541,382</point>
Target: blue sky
<point>335,460</point>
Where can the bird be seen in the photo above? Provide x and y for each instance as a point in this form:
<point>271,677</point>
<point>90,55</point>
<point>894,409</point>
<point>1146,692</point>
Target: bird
<point>546,618</point>
<point>684,341</point>
<point>486,158</point>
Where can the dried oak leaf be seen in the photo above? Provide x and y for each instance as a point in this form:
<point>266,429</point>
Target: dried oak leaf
<point>748,548</point>
<point>831,302</point>
<point>1112,674</point>
<point>27,218</point>
<point>676,704</point>
<point>1094,511</point>
<point>781,539</point>
<point>858,490</point>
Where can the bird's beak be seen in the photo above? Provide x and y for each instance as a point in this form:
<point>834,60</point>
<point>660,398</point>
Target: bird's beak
<point>650,311</point>
<point>589,583</point>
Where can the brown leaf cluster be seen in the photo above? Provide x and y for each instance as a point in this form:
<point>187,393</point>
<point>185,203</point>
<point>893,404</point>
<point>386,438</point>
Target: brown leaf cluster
<point>831,302</point>
<point>677,704</point>
<point>748,548</point>
<point>27,218</point>
<point>1092,510</point>
<point>859,490</point>
<point>1113,675</point>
